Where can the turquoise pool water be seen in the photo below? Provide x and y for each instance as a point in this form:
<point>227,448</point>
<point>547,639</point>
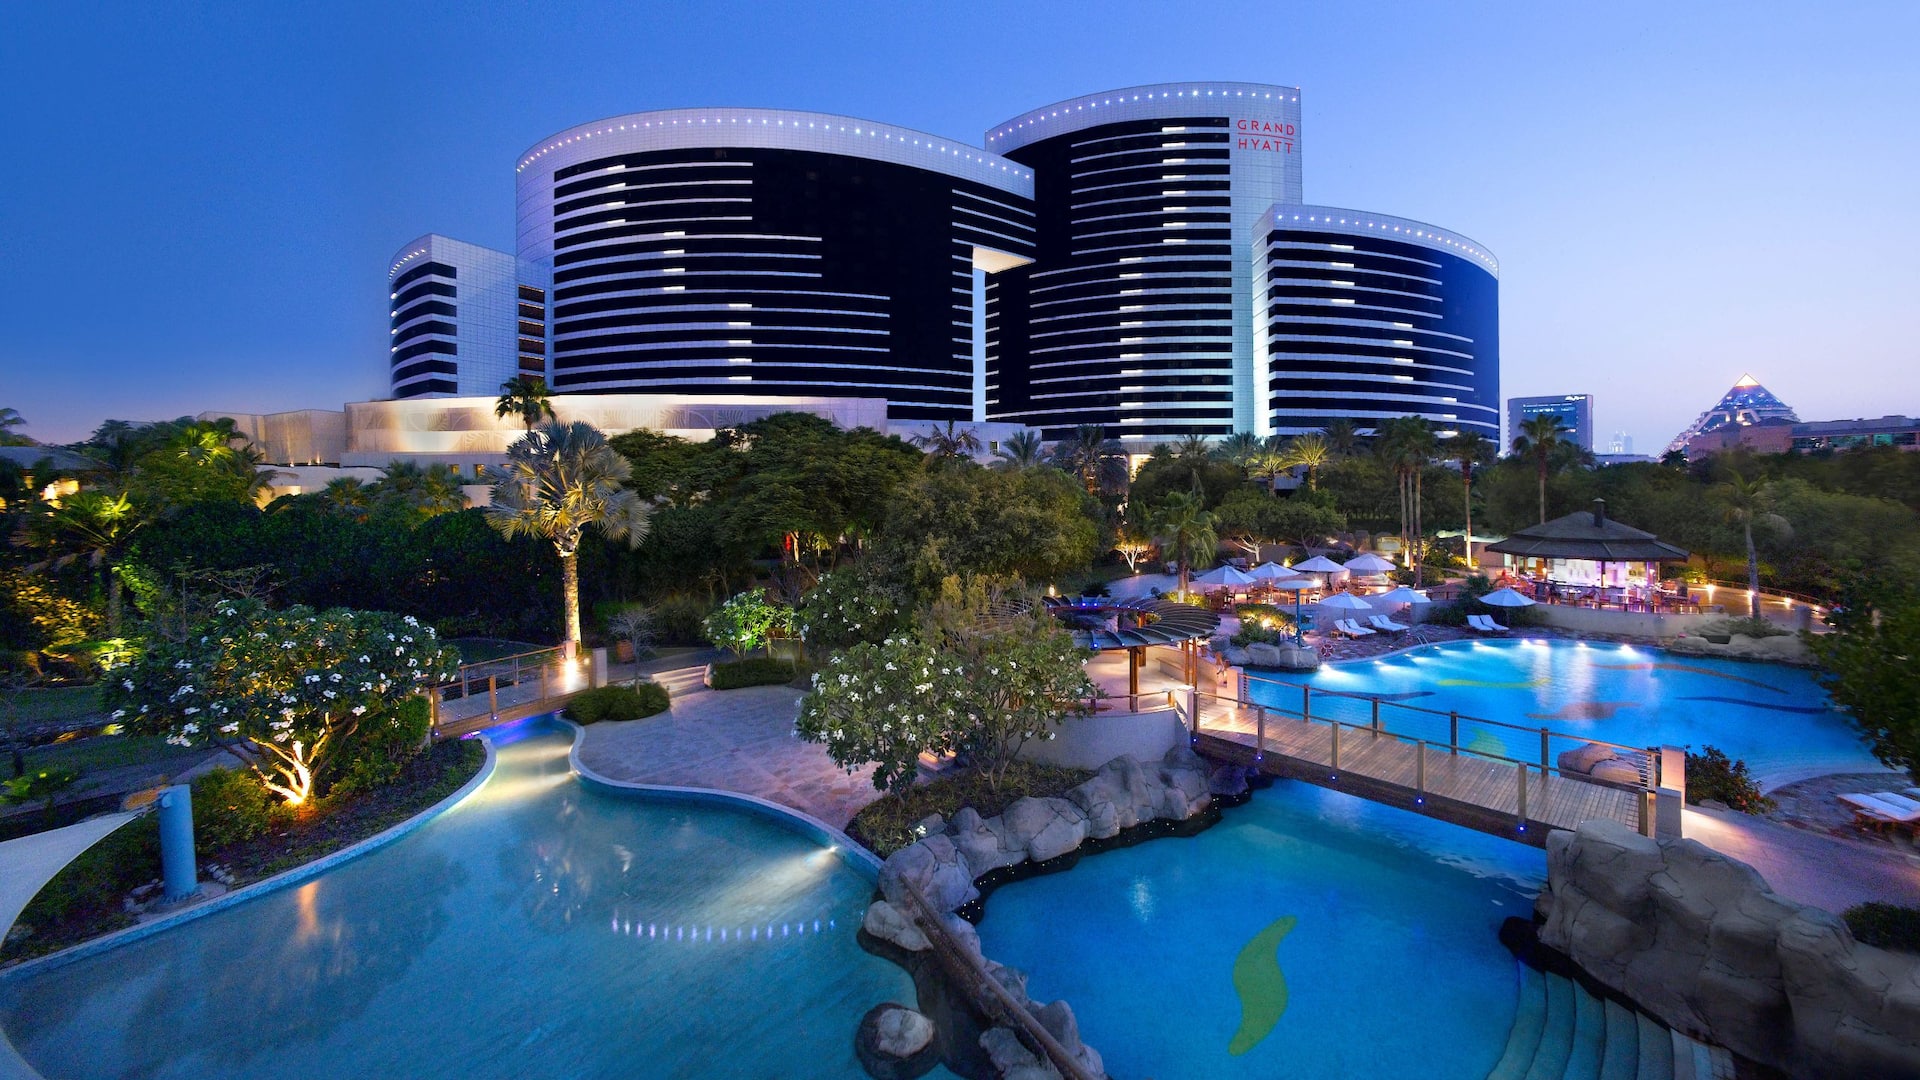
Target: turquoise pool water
<point>1775,717</point>
<point>542,928</point>
<point>1391,968</point>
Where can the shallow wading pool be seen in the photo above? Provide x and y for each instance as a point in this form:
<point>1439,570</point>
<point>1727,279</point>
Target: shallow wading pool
<point>542,927</point>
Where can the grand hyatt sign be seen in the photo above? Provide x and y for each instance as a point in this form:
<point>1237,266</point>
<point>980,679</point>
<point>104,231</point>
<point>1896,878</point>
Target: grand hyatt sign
<point>1272,136</point>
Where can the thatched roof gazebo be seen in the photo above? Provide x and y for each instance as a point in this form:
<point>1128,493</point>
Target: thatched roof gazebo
<point>1588,549</point>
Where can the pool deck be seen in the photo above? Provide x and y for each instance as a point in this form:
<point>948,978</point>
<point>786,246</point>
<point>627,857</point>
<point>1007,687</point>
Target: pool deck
<point>729,740</point>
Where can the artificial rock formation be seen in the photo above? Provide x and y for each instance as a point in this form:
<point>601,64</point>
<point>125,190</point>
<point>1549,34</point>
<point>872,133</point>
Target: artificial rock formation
<point>895,1043</point>
<point>1781,649</point>
<point>1122,794</point>
<point>1600,762</point>
<point>1700,941</point>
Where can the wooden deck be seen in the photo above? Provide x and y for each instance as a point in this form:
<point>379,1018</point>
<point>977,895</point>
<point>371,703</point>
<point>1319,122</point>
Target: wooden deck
<point>1506,798</point>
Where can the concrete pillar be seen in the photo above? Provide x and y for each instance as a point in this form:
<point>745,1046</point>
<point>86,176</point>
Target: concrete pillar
<point>1802,617</point>
<point>1673,769</point>
<point>599,668</point>
<point>1667,805</point>
<point>1192,704</point>
<point>176,843</point>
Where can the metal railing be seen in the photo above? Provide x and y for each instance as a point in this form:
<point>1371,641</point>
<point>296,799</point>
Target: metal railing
<point>522,681</point>
<point>1431,732</point>
<point>1151,701</point>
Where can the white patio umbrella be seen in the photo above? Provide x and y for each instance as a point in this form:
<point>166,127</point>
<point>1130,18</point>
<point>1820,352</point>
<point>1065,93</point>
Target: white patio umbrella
<point>1367,564</point>
<point>1344,601</point>
<point>1506,598</point>
<point>1271,571</point>
<point>1401,595</point>
<point>1319,564</point>
<point>1225,575</point>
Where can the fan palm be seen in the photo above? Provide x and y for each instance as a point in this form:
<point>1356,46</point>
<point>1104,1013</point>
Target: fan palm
<point>1242,450</point>
<point>1342,438</point>
<point>1021,450</point>
<point>1749,504</point>
<point>526,397</point>
<point>561,480</point>
<point>949,443</point>
<point>1097,460</point>
<point>1185,530</point>
<point>348,496</point>
<point>1472,450</point>
<point>93,525</point>
<point>1538,437</point>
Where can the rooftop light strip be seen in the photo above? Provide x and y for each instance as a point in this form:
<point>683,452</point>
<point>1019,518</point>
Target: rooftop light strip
<point>1178,93</point>
<point>1386,226</point>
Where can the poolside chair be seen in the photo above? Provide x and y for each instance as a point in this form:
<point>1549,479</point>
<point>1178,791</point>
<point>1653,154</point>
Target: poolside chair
<point>1878,810</point>
<point>1381,622</point>
<point>1352,629</point>
<point>1485,624</point>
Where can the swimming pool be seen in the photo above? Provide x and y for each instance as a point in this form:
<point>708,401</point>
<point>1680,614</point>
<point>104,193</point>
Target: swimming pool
<point>1362,940</point>
<point>1775,717</point>
<point>542,927</point>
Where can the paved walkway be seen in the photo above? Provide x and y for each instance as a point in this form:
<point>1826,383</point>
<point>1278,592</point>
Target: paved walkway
<point>1807,867</point>
<point>732,740</point>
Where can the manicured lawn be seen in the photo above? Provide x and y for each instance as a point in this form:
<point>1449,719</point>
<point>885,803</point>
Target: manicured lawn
<point>41,705</point>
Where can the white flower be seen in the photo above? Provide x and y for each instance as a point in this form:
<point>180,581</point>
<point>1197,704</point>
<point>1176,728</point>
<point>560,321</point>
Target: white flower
<point>128,683</point>
<point>230,729</point>
<point>117,714</point>
<point>359,710</point>
<point>190,710</point>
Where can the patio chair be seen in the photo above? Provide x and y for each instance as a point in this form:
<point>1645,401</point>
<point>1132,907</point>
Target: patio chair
<point>1880,811</point>
<point>1381,622</point>
<point>1485,624</point>
<point>1351,629</point>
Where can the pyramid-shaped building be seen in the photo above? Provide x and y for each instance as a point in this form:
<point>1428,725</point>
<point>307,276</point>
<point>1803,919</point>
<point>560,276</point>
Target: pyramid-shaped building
<point>1747,404</point>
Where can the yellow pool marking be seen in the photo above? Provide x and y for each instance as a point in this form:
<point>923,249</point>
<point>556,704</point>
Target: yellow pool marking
<point>1261,986</point>
<point>1494,685</point>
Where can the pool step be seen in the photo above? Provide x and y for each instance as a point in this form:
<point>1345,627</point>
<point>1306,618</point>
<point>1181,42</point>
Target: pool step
<point>1562,1032</point>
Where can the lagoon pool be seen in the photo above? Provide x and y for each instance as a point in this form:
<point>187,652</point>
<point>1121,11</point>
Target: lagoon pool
<point>1308,934</point>
<point>542,927</point>
<point>1775,717</point>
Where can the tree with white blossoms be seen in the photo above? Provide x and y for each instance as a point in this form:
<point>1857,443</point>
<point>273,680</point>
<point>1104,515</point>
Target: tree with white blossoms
<point>279,690</point>
<point>984,673</point>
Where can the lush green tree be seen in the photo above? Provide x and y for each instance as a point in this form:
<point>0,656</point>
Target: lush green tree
<point>1249,521</point>
<point>1749,504</point>
<point>278,689</point>
<point>1868,671</point>
<point>1342,438</point>
<point>1166,471</point>
<point>949,443</point>
<point>748,621</point>
<point>349,496</point>
<point>1184,529</point>
<point>1036,524</point>
<point>1133,537</point>
<point>425,491</point>
<point>1021,450</point>
<point>527,397</point>
<point>1407,444</point>
<point>561,480</point>
<point>1242,450</point>
<point>883,703</point>
<point>1099,462</point>
<point>853,603</point>
<point>88,525</point>
<point>1472,450</point>
<point>1537,438</point>
<point>1311,451</point>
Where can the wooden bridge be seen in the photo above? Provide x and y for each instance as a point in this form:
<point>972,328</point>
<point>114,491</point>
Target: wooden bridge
<point>1389,762</point>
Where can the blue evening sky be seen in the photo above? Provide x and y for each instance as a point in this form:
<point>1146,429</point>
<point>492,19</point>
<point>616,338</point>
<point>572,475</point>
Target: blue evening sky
<point>200,199</point>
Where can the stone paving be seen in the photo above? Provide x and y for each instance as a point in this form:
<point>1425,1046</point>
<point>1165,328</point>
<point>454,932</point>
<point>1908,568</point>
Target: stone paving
<point>732,740</point>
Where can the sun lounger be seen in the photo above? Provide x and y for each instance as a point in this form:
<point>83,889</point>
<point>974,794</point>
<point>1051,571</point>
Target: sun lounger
<point>1879,810</point>
<point>1485,624</point>
<point>1381,622</point>
<point>1352,629</point>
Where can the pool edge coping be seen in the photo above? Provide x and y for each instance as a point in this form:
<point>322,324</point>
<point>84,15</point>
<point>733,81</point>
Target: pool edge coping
<point>850,851</point>
<point>263,887</point>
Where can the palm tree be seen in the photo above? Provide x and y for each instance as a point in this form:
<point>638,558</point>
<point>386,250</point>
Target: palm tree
<point>528,398</point>
<point>1192,452</point>
<point>1539,436</point>
<point>1242,450</point>
<point>439,491</point>
<point>348,496</point>
<point>1342,438</point>
<point>562,479</point>
<point>1021,450</point>
<point>1094,458</point>
<point>1406,443</point>
<point>1312,451</point>
<point>1748,503</point>
<point>1472,450</point>
<point>1273,460</point>
<point>949,443</point>
<point>10,419</point>
<point>1184,529</point>
<point>93,525</point>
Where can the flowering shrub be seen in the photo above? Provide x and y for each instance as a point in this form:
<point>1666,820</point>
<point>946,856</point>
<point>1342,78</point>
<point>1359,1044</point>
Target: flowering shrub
<point>984,691</point>
<point>747,622</point>
<point>288,685</point>
<point>849,606</point>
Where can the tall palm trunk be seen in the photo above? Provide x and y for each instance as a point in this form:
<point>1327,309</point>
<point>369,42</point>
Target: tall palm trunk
<point>1419,535</point>
<point>1541,457</point>
<point>570,596</point>
<point>1466,501</point>
<point>1753,574</point>
<point>115,608</point>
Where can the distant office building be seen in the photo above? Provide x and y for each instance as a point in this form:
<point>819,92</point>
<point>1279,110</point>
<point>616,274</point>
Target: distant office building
<point>1777,436</point>
<point>1574,410</point>
<point>1745,405</point>
<point>463,319</point>
<point>1622,443</point>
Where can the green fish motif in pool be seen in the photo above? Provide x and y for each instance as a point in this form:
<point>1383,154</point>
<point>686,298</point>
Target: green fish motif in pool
<point>1261,986</point>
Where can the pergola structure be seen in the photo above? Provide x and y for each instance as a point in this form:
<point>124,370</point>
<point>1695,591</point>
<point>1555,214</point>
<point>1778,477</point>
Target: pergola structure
<point>1586,549</point>
<point>1133,624</point>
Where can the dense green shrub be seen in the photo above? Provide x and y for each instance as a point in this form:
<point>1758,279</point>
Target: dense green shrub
<point>886,824</point>
<point>753,671</point>
<point>680,620</point>
<point>1885,926</point>
<point>382,745</point>
<point>1444,614</point>
<point>1252,634</point>
<point>618,703</point>
<point>229,806</point>
<point>1753,628</point>
<point>1711,774</point>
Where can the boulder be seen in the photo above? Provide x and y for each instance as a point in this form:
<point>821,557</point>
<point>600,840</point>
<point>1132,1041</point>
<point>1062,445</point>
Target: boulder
<point>935,865</point>
<point>1012,978</point>
<point>931,825</point>
<point>1262,654</point>
<point>1236,656</point>
<point>889,923</point>
<point>1700,941</point>
<point>1227,780</point>
<point>894,1042</point>
<point>963,934</point>
<point>1120,796</point>
<point>1049,827</point>
<point>980,843</point>
<point>1581,759</point>
<point>1616,770</point>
